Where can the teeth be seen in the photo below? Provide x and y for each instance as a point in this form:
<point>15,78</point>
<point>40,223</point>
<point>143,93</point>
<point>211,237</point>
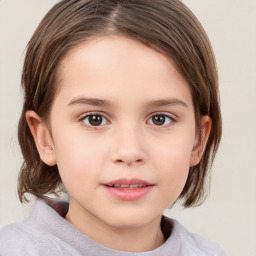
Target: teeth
<point>127,185</point>
<point>122,186</point>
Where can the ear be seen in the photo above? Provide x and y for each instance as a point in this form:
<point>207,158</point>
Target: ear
<point>42,137</point>
<point>201,140</point>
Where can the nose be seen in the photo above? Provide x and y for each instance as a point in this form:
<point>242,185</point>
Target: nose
<point>128,147</point>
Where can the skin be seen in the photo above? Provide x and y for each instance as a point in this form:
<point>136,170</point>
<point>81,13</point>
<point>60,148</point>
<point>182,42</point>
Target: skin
<point>136,85</point>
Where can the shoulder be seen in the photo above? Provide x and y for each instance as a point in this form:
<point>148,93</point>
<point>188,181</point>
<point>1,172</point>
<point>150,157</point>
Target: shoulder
<point>35,235</point>
<point>193,244</point>
<point>20,239</point>
<point>43,232</point>
<point>206,245</point>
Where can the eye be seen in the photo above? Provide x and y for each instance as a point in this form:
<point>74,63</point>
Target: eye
<point>160,120</point>
<point>94,120</point>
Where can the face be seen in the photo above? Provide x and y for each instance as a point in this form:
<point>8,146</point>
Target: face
<point>122,132</point>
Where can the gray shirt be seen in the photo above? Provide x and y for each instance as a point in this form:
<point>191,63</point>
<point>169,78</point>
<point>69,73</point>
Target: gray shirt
<point>46,232</point>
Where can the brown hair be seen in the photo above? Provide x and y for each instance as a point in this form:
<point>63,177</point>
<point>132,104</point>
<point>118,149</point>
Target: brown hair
<point>167,26</point>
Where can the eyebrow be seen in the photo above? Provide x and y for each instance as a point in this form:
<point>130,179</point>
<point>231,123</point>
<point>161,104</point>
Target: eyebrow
<point>104,103</point>
<point>89,101</point>
<point>167,102</point>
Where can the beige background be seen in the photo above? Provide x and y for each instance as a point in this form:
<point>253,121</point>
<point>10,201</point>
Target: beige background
<point>228,216</point>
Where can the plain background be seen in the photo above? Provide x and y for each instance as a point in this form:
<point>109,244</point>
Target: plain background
<point>229,215</point>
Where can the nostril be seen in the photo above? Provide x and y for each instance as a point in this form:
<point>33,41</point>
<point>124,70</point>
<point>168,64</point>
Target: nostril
<point>128,157</point>
<point>129,161</point>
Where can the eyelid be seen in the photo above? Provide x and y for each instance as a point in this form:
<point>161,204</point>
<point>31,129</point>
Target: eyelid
<point>91,113</point>
<point>171,116</point>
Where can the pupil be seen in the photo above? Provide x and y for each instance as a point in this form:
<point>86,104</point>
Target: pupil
<point>95,120</point>
<point>159,120</point>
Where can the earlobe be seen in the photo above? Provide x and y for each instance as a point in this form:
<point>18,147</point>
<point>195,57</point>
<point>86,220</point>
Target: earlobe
<point>201,141</point>
<point>42,137</point>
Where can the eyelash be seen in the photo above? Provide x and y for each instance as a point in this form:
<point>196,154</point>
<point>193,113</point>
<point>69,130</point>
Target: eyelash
<point>92,114</point>
<point>105,121</point>
<point>165,116</point>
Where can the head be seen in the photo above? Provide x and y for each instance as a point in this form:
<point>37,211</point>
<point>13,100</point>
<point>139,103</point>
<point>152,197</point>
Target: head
<point>167,27</point>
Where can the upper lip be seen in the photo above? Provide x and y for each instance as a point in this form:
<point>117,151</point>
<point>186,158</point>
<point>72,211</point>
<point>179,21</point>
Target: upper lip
<point>128,183</point>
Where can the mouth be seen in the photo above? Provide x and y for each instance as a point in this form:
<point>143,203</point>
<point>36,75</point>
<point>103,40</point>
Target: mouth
<point>130,186</point>
<point>128,189</point>
<point>128,183</point>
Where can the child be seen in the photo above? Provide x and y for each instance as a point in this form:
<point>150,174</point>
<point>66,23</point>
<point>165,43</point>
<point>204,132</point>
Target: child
<point>121,110</point>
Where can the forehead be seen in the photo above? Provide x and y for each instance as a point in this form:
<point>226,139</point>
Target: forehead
<point>105,65</point>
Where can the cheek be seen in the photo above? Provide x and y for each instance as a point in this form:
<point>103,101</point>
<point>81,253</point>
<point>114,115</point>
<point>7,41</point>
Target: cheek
<point>80,158</point>
<point>78,171</point>
<point>172,160</point>
<point>173,152</point>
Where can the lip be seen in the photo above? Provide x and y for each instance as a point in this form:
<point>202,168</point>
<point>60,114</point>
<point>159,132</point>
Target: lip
<point>128,189</point>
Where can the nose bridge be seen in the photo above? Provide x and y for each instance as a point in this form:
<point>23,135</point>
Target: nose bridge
<point>127,144</point>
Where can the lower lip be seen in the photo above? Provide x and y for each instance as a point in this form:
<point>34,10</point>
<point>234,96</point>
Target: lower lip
<point>129,194</point>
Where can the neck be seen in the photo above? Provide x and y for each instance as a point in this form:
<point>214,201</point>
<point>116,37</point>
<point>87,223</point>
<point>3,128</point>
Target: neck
<point>136,239</point>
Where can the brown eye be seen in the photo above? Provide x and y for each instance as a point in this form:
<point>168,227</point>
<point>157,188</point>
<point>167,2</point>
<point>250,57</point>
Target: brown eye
<point>94,120</point>
<point>160,120</point>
